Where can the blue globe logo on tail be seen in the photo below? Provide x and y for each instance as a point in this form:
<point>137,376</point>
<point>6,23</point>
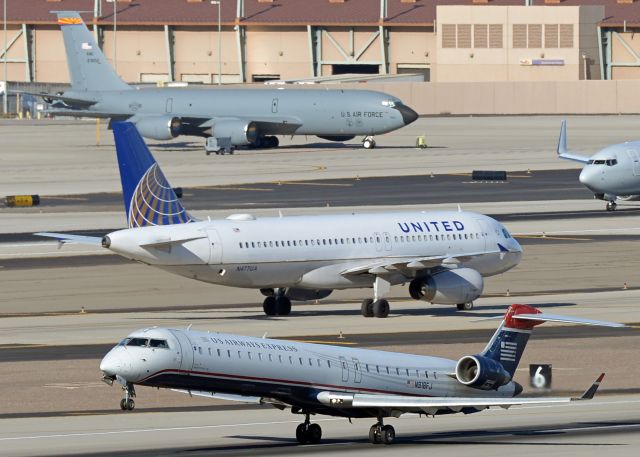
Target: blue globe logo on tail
<point>148,197</point>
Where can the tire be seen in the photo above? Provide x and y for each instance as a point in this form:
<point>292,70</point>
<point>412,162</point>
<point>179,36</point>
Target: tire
<point>269,306</point>
<point>283,306</point>
<point>381,308</point>
<point>464,306</point>
<point>388,434</point>
<point>374,437</point>
<point>314,434</point>
<point>123,404</point>
<point>301,434</point>
<point>131,405</point>
<point>460,306</point>
<point>367,308</point>
<point>368,144</point>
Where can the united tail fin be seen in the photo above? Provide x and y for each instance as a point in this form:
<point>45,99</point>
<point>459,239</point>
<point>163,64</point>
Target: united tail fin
<point>510,339</point>
<point>149,199</point>
<point>89,69</point>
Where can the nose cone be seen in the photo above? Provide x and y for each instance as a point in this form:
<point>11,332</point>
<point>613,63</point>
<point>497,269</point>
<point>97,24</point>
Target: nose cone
<point>588,177</point>
<point>408,115</point>
<point>117,362</point>
<point>110,365</point>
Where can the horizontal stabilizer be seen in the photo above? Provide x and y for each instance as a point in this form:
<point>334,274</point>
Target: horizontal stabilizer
<point>69,100</point>
<point>566,319</point>
<point>67,238</point>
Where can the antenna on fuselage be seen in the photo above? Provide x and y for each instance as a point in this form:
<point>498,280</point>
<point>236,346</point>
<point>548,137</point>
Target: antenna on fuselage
<point>189,327</point>
<point>459,208</point>
<point>265,335</point>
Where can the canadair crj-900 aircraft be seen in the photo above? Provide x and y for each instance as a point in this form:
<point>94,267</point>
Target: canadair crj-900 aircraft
<point>612,173</point>
<point>228,117</point>
<point>323,379</point>
<point>443,255</point>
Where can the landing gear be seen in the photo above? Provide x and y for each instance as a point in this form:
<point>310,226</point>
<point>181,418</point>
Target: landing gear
<point>611,206</point>
<point>277,305</point>
<point>381,308</point>
<point>368,142</point>
<point>308,433</point>
<point>382,434</point>
<point>465,306</point>
<point>367,307</point>
<point>127,403</point>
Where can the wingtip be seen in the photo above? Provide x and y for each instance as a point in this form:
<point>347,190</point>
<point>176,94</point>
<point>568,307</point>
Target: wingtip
<point>591,391</point>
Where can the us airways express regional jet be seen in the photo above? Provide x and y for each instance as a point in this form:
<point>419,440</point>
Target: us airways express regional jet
<point>227,117</point>
<point>443,255</point>
<point>338,381</point>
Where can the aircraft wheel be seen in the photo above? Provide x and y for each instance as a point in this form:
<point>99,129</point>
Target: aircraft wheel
<point>381,308</point>
<point>388,434</point>
<point>130,405</point>
<point>374,434</point>
<point>123,404</point>
<point>367,308</point>
<point>269,306</point>
<point>271,142</point>
<point>611,206</point>
<point>464,306</point>
<point>283,305</point>
<point>369,143</point>
<point>301,433</point>
<point>314,434</point>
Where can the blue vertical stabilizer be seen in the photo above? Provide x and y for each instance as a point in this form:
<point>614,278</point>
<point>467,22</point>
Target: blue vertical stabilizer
<point>149,199</point>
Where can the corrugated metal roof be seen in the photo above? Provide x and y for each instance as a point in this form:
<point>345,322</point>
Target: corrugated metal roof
<point>279,12</point>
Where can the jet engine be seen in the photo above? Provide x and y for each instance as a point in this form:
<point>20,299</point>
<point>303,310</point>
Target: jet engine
<point>629,198</point>
<point>298,294</point>
<point>159,127</point>
<point>448,287</point>
<point>337,137</point>
<point>238,131</point>
<point>481,373</point>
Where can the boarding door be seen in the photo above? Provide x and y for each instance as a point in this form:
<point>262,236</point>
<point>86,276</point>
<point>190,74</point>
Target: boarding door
<point>377,238</point>
<point>169,106</point>
<point>357,372</point>
<point>183,354</point>
<point>215,247</point>
<point>635,160</point>
<point>345,369</point>
<point>386,237</point>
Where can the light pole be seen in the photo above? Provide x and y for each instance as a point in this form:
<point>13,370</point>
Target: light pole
<point>5,102</point>
<point>115,29</point>
<point>217,2</point>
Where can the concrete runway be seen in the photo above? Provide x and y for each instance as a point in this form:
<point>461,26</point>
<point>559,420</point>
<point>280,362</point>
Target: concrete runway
<point>607,425</point>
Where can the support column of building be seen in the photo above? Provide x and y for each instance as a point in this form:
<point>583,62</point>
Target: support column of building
<point>241,40</point>
<point>384,38</point>
<point>27,36</point>
<point>169,42</point>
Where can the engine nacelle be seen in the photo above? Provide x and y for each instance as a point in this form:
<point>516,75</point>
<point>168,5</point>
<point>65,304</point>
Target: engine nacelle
<point>299,294</point>
<point>159,127</point>
<point>240,132</point>
<point>448,287</point>
<point>337,137</point>
<point>481,373</point>
<point>629,198</point>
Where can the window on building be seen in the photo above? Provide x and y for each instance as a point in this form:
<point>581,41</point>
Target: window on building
<point>519,36</point>
<point>566,35</point>
<point>534,35</point>
<point>448,35</point>
<point>480,35</point>
<point>495,36</point>
<point>464,36</point>
<point>551,36</point>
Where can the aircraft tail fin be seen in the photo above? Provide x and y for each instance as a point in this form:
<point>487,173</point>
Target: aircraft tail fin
<point>149,199</point>
<point>510,339</point>
<point>89,69</point>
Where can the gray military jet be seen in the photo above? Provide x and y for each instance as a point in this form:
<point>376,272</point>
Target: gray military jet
<point>613,173</point>
<point>227,117</point>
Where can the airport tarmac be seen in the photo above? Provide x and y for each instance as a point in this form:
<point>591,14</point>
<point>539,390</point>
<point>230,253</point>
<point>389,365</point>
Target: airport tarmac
<point>61,157</point>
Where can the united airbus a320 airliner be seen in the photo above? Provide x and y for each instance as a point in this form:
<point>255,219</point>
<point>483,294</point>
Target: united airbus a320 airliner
<point>442,255</point>
<point>337,381</point>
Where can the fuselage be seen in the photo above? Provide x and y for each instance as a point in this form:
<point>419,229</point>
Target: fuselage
<point>288,371</point>
<point>314,252</point>
<point>615,170</point>
<point>329,112</point>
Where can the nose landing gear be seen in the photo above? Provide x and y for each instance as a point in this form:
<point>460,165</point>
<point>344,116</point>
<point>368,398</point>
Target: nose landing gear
<point>127,403</point>
<point>368,142</point>
<point>611,206</point>
<point>308,433</point>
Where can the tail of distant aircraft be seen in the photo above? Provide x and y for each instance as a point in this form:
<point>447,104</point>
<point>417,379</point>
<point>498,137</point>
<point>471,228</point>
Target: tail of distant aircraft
<point>88,67</point>
<point>149,199</point>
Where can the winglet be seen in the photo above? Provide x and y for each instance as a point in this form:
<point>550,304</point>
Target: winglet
<point>591,391</point>
<point>562,141</point>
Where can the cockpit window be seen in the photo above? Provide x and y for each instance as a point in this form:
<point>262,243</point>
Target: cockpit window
<point>505,233</point>
<point>390,103</point>
<point>137,342</point>
<point>611,162</point>
<point>161,344</point>
<point>607,162</point>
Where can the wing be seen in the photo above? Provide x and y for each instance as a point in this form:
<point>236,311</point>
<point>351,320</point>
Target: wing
<point>269,125</point>
<point>230,397</point>
<point>431,405</point>
<point>562,150</point>
<point>64,238</point>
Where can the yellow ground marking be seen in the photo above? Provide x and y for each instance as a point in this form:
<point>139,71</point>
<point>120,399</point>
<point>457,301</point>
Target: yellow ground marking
<point>22,346</point>
<point>257,189</point>
<point>311,183</point>
<point>49,197</point>
<point>343,343</point>
<point>551,237</point>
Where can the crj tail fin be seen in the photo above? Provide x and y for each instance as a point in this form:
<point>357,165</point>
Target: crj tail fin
<point>88,67</point>
<point>149,199</point>
<point>508,342</point>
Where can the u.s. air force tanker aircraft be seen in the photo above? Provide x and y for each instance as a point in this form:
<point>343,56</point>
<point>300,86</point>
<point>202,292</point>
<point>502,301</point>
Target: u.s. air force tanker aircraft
<point>612,173</point>
<point>337,381</point>
<point>227,117</point>
<point>443,255</point>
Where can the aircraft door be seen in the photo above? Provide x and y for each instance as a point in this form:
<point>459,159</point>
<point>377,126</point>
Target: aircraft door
<point>357,373</point>
<point>485,231</point>
<point>274,105</point>
<point>377,238</point>
<point>635,160</point>
<point>169,105</point>
<point>387,241</point>
<point>215,247</point>
<point>345,369</point>
<point>184,352</point>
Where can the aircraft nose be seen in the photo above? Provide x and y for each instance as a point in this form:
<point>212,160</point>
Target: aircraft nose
<point>110,365</point>
<point>408,115</point>
<point>588,178</point>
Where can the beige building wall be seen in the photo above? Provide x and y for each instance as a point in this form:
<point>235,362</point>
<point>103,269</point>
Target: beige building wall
<point>15,70</point>
<point>338,47</point>
<point>522,35</point>
<point>50,61</point>
<point>412,46</point>
<point>283,52</point>
<point>196,55</point>
<point>625,54</point>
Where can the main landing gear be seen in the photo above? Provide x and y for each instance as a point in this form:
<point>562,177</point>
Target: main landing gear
<point>127,403</point>
<point>378,306</point>
<point>368,142</point>
<point>611,206</point>
<point>382,434</point>
<point>277,304</point>
<point>465,306</point>
<point>308,433</point>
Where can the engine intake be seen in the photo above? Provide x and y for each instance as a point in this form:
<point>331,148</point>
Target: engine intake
<point>448,287</point>
<point>481,373</point>
<point>159,127</point>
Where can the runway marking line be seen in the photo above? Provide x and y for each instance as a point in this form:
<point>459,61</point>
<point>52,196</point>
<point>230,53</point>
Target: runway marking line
<point>256,189</point>
<point>551,237</point>
<point>343,343</point>
<point>52,197</point>
<point>310,183</point>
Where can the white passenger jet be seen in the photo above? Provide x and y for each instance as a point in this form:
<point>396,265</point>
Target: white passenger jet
<point>443,255</point>
<point>331,380</point>
<point>613,173</point>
